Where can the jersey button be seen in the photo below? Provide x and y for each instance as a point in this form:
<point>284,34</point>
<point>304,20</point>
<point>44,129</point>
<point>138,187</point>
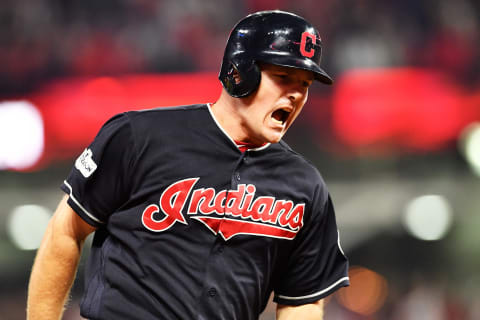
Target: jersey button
<point>221,248</point>
<point>237,175</point>
<point>212,292</point>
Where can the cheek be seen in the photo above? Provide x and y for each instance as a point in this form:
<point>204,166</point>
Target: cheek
<point>295,117</point>
<point>297,113</point>
<point>269,90</point>
<point>302,103</point>
<point>305,97</point>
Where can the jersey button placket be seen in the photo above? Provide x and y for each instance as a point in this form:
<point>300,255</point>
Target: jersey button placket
<point>212,292</point>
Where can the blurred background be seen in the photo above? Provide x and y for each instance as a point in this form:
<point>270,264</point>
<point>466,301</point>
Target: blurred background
<point>397,138</point>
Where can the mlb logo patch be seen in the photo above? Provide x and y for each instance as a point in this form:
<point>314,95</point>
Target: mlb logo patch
<point>85,163</point>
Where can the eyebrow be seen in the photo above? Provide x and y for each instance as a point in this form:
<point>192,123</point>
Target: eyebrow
<point>289,70</point>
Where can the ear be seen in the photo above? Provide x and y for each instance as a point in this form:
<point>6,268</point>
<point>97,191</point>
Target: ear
<point>236,76</point>
<point>241,78</point>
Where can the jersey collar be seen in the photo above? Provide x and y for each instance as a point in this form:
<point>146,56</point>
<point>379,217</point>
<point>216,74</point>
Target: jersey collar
<point>265,146</point>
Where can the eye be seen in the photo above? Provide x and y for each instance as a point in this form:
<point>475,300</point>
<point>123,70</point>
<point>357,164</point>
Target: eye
<point>307,84</point>
<point>281,75</point>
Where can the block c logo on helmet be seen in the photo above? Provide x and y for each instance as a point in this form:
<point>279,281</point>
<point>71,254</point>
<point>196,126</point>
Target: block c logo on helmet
<point>303,44</point>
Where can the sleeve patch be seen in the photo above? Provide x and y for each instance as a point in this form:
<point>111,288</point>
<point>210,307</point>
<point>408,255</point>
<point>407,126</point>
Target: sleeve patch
<point>85,163</point>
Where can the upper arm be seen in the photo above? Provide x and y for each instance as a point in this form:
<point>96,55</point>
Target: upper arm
<point>67,222</point>
<point>310,311</point>
<point>55,264</point>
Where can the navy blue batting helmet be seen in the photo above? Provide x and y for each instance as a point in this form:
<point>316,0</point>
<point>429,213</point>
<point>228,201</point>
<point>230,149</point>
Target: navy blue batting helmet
<point>274,37</point>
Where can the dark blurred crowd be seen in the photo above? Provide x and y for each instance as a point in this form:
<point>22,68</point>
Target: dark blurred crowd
<point>41,40</point>
<point>44,40</point>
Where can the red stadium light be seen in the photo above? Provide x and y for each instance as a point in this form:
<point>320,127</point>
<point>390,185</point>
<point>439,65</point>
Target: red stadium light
<point>74,109</point>
<point>391,110</point>
<point>381,111</point>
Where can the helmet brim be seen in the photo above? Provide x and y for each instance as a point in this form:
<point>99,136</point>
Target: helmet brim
<point>304,64</point>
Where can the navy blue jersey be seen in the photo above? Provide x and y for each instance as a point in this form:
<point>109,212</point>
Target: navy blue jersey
<point>189,227</point>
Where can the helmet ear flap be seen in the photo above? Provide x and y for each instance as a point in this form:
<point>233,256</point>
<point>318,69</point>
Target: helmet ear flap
<point>240,78</point>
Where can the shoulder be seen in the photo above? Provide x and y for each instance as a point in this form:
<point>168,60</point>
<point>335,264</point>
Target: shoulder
<point>163,112</point>
<point>161,117</point>
<point>139,117</point>
<point>302,172</point>
<point>298,161</point>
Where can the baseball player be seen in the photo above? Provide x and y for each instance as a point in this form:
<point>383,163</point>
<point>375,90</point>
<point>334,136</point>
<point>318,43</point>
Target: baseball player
<point>202,211</point>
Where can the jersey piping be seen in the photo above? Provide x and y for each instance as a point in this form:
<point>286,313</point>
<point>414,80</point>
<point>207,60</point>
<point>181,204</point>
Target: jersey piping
<point>91,216</point>
<point>209,105</point>
<point>316,293</point>
<point>338,243</point>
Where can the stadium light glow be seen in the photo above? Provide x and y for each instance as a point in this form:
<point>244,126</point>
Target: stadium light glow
<point>470,146</point>
<point>26,225</point>
<point>428,217</point>
<point>367,292</point>
<point>21,135</point>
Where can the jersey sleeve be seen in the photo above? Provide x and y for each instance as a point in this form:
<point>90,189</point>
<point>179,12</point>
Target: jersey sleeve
<point>98,182</point>
<point>317,265</point>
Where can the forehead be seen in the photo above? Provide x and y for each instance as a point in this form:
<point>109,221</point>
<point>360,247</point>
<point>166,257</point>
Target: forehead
<point>290,70</point>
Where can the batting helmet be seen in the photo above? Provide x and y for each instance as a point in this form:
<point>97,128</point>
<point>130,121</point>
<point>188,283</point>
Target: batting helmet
<point>275,37</point>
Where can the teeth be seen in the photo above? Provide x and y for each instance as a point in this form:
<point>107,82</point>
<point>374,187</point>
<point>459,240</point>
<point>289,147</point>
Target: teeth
<point>280,116</point>
<point>277,121</point>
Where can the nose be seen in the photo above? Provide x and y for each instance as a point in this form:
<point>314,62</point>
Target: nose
<point>297,92</point>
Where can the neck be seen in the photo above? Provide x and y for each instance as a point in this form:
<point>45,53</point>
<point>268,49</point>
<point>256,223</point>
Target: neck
<point>227,112</point>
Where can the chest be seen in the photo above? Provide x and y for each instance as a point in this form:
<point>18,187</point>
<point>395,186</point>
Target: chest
<point>227,192</point>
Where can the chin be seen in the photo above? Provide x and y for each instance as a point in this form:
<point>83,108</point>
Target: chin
<point>274,139</point>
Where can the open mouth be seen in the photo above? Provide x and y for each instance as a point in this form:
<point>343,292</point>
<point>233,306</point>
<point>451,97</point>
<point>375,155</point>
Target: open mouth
<point>280,116</point>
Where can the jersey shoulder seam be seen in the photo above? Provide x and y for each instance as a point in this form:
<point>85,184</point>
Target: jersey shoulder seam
<point>135,154</point>
<point>288,149</point>
<point>169,108</point>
